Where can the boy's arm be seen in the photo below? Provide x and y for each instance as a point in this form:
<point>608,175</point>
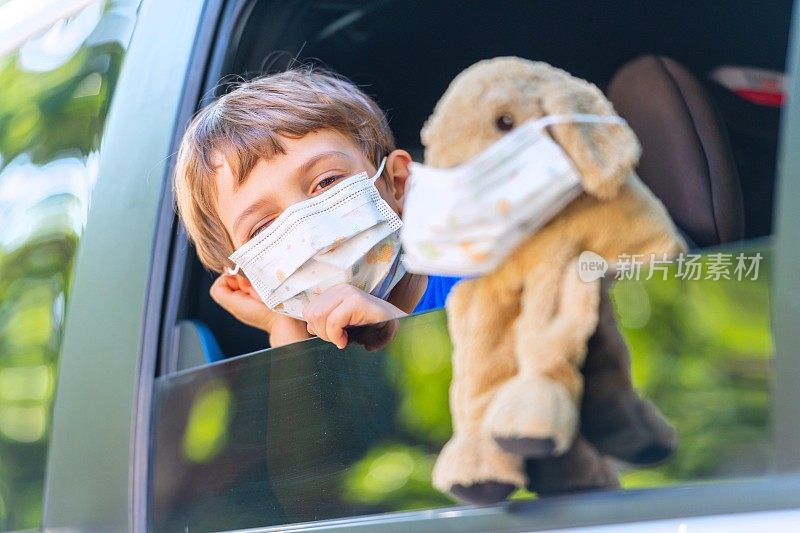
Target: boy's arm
<point>327,315</point>
<point>237,296</point>
<point>343,306</point>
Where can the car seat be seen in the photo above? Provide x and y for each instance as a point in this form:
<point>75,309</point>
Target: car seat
<point>686,158</point>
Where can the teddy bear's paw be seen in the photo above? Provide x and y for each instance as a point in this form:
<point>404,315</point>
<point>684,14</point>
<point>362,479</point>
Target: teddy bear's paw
<point>638,433</point>
<point>527,446</point>
<point>581,468</point>
<point>473,469</point>
<point>532,417</point>
<point>662,441</point>
<point>484,493</point>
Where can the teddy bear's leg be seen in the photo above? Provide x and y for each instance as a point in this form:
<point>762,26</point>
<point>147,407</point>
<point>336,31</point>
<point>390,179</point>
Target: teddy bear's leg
<point>613,416</point>
<point>471,466</point>
<point>580,468</point>
<point>535,414</point>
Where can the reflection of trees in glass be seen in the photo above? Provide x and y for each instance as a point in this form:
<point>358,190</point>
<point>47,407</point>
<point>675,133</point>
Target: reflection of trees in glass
<point>54,97</point>
<point>701,351</point>
<point>396,475</point>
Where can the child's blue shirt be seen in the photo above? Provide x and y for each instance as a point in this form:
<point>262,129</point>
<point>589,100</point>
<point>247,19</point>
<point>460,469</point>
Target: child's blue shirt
<point>436,293</point>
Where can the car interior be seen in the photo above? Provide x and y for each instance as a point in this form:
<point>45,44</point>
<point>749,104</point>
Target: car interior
<point>708,153</point>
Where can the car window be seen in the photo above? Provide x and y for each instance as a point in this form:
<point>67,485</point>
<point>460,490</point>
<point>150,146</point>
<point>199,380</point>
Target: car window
<point>55,90</point>
<point>307,432</point>
<point>303,433</point>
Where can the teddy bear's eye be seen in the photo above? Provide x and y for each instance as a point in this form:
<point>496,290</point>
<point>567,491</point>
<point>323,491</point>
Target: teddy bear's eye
<point>505,122</point>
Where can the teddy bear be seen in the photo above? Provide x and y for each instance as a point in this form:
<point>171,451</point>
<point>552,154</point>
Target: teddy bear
<point>614,420</point>
<point>541,388</point>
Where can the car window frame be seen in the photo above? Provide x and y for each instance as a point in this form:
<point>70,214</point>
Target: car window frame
<point>778,491</point>
<point>89,484</point>
<point>786,293</point>
<point>155,337</point>
<point>175,245</point>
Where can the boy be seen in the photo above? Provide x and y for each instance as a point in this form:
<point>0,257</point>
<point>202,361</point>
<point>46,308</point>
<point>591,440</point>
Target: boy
<point>269,144</point>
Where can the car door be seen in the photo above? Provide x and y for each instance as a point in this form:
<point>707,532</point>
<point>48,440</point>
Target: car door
<point>307,437</point>
<point>147,436</point>
<point>98,445</point>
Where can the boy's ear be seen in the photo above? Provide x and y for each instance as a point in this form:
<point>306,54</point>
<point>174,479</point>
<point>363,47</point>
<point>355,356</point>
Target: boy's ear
<point>398,165</point>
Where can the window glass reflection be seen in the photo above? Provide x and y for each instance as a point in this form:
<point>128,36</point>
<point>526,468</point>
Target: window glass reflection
<point>55,91</point>
<point>308,432</point>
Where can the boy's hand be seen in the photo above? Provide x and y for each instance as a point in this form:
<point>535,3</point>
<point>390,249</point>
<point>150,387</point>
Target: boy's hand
<point>237,296</point>
<point>344,305</point>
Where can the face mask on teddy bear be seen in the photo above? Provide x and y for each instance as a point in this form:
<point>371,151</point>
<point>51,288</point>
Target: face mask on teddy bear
<point>466,220</point>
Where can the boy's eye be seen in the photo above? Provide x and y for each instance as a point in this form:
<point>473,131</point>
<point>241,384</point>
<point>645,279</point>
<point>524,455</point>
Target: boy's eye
<point>324,183</point>
<point>259,228</point>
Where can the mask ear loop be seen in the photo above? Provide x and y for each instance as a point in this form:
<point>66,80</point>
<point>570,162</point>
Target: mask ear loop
<point>232,271</point>
<point>380,170</point>
<point>580,117</point>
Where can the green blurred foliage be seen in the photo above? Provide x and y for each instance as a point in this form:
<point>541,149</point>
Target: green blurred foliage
<point>206,431</point>
<point>396,475</point>
<point>52,114</point>
<point>701,351</point>
<point>418,365</point>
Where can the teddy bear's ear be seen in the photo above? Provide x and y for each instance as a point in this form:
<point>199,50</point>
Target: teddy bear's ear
<point>604,154</point>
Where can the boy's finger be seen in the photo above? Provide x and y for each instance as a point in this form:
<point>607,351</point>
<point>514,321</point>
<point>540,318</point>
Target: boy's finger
<point>219,290</point>
<point>338,319</point>
<point>223,284</point>
<point>315,317</point>
<point>224,295</point>
<point>237,283</point>
<point>308,316</point>
<point>243,284</point>
<point>317,311</point>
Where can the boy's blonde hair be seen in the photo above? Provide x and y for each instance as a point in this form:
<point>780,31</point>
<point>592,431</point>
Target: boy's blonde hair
<point>247,124</point>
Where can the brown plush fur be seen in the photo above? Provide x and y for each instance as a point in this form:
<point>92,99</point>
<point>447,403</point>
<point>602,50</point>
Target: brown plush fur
<point>613,416</point>
<point>520,333</point>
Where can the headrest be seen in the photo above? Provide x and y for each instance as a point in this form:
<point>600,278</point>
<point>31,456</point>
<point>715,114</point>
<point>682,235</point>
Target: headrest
<point>686,159</point>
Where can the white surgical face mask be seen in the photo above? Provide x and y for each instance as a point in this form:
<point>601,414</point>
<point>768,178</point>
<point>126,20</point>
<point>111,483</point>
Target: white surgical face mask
<point>348,234</point>
<point>466,220</point>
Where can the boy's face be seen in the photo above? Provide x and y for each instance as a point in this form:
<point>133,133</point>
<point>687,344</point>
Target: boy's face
<point>311,165</point>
